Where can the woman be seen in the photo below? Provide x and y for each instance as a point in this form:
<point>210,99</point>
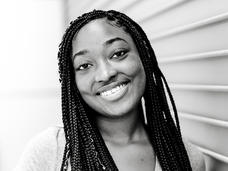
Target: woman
<point>107,68</point>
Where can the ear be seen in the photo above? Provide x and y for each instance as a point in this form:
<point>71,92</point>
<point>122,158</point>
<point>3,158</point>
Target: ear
<point>144,110</point>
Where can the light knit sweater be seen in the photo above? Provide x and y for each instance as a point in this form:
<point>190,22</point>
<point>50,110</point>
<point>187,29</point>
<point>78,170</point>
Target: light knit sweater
<point>45,153</point>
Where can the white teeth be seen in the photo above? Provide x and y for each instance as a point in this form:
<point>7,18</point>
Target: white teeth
<point>112,91</point>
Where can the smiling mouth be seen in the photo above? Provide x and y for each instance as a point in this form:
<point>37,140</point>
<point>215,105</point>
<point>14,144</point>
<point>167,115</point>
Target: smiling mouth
<point>114,93</point>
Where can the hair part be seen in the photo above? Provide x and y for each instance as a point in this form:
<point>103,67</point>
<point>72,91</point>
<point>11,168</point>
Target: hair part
<point>85,148</point>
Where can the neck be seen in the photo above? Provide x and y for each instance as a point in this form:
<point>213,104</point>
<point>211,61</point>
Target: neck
<point>122,130</point>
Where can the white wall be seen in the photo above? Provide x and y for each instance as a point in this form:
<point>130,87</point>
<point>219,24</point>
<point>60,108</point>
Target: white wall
<point>29,90</point>
<point>190,40</point>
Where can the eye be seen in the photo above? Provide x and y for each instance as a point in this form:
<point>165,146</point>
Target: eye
<point>119,54</point>
<point>83,66</point>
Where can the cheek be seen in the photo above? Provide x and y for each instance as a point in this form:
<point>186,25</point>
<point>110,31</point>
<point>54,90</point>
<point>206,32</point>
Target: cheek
<point>82,83</point>
<point>137,73</point>
<point>134,67</point>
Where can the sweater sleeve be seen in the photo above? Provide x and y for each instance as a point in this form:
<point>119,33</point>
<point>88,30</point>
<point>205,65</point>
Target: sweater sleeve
<point>42,152</point>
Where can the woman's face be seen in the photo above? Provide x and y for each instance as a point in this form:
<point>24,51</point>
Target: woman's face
<point>108,70</point>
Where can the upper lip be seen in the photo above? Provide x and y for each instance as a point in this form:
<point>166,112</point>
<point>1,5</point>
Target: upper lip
<point>110,86</point>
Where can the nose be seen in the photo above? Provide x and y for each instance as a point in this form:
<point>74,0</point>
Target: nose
<point>105,72</point>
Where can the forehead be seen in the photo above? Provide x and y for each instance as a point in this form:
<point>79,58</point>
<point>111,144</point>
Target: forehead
<point>97,32</point>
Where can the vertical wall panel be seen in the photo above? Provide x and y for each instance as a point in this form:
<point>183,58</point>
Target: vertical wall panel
<point>190,40</point>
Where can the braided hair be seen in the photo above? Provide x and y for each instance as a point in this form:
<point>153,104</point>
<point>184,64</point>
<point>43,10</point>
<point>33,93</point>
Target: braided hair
<point>85,148</point>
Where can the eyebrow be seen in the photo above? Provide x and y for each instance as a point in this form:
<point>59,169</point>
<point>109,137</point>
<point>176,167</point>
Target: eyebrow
<point>81,52</point>
<point>110,41</point>
<point>107,43</point>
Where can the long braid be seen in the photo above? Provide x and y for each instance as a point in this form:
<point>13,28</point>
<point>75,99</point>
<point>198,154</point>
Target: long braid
<point>85,146</point>
<point>90,153</point>
<point>172,140</point>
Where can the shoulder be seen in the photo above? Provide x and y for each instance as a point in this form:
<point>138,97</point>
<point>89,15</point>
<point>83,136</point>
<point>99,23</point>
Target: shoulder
<point>196,157</point>
<point>43,151</point>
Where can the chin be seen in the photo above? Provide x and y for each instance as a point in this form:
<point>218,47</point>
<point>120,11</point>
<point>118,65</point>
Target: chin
<point>120,110</point>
